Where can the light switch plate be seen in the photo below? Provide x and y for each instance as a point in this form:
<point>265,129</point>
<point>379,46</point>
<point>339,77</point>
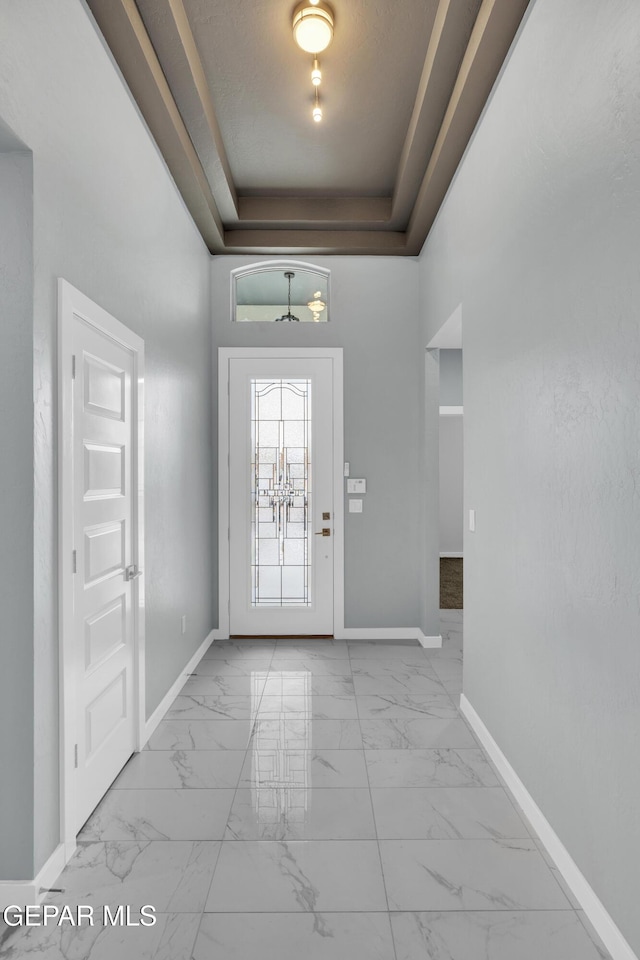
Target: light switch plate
<point>472,521</point>
<point>356,486</point>
<point>355,506</point>
<point>346,468</point>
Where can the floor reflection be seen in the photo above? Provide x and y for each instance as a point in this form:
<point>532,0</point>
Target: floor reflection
<point>280,758</point>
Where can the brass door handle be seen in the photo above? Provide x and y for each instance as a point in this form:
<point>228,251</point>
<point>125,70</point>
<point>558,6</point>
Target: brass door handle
<point>325,532</point>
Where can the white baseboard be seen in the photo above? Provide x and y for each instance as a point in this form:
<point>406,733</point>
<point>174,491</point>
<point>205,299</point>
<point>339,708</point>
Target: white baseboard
<point>577,882</point>
<point>219,634</point>
<point>453,555</point>
<point>31,892</point>
<point>431,643</point>
<point>388,634</point>
<point>175,688</point>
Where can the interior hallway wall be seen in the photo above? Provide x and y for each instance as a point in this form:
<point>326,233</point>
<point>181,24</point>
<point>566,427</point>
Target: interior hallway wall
<point>450,378</point>
<point>451,454</point>
<point>539,239</point>
<point>16,502</point>
<point>451,485</point>
<point>107,218</point>
<point>374,318</point>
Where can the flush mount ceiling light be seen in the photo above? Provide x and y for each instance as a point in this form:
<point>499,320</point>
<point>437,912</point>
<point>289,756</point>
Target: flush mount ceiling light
<point>313,32</point>
<point>313,26</point>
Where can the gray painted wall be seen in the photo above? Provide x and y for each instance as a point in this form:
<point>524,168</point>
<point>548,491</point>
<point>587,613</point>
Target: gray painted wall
<point>539,239</point>
<point>451,378</point>
<point>108,219</point>
<point>451,484</point>
<point>374,318</point>
<point>16,506</point>
<point>429,525</point>
<point>451,456</point>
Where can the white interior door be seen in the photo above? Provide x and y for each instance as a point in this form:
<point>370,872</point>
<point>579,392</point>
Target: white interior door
<point>281,510</point>
<point>101,623</point>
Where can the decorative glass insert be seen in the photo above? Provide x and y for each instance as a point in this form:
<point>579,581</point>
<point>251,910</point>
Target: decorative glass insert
<point>280,493</point>
<point>280,290</point>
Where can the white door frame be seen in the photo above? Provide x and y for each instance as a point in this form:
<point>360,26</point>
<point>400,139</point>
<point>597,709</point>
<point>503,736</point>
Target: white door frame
<point>72,303</point>
<point>225,354</point>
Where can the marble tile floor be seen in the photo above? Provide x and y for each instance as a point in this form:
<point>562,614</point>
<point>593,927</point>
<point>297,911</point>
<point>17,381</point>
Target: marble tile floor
<point>317,799</point>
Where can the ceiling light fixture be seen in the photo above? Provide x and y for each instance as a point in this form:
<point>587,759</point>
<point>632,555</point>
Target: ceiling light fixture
<point>317,110</point>
<point>288,315</point>
<point>313,26</point>
<point>313,32</point>
<point>316,306</point>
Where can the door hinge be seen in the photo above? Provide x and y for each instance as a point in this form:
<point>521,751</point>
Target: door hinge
<point>75,756</point>
<point>74,561</point>
<point>73,366</point>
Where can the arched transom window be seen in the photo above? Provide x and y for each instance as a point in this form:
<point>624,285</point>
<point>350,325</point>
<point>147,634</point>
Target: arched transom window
<point>285,291</point>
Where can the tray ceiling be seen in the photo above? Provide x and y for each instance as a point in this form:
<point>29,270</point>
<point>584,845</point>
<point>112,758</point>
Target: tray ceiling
<point>226,93</point>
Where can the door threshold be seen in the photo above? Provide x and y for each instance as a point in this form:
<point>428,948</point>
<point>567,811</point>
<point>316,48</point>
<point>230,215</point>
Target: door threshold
<point>281,636</point>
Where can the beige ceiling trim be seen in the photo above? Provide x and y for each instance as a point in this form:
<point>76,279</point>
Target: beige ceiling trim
<point>316,241</point>
<point>491,37</point>
<point>124,31</point>
<point>359,212</point>
<point>222,182</point>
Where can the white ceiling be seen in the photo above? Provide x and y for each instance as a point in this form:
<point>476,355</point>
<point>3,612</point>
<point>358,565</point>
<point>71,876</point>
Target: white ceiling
<point>227,94</point>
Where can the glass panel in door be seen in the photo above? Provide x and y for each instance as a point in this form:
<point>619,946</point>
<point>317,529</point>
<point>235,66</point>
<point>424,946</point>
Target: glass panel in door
<point>281,496</point>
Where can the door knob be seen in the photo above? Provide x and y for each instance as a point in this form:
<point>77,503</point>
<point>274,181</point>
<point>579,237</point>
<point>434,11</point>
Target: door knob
<point>325,532</point>
<point>132,572</point>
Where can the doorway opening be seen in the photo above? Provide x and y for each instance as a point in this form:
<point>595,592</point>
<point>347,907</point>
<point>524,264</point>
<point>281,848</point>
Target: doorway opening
<point>448,342</point>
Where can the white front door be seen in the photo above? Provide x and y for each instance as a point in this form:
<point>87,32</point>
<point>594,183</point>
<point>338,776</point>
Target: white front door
<point>281,510</point>
<point>101,697</point>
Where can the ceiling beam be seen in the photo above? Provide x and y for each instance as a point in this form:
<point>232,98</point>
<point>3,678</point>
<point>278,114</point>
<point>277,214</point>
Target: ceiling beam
<point>218,169</point>
<point>492,35</point>
<point>123,29</point>
<point>429,108</point>
<point>364,242</point>
<point>356,212</point>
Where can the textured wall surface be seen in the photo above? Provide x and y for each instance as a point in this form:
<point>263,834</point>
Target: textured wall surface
<point>450,378</point>
<point>109,220</point>
<point>539,239</point>
<point>16,506</point>
<point>374,318</point>
<point>451,484</point>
